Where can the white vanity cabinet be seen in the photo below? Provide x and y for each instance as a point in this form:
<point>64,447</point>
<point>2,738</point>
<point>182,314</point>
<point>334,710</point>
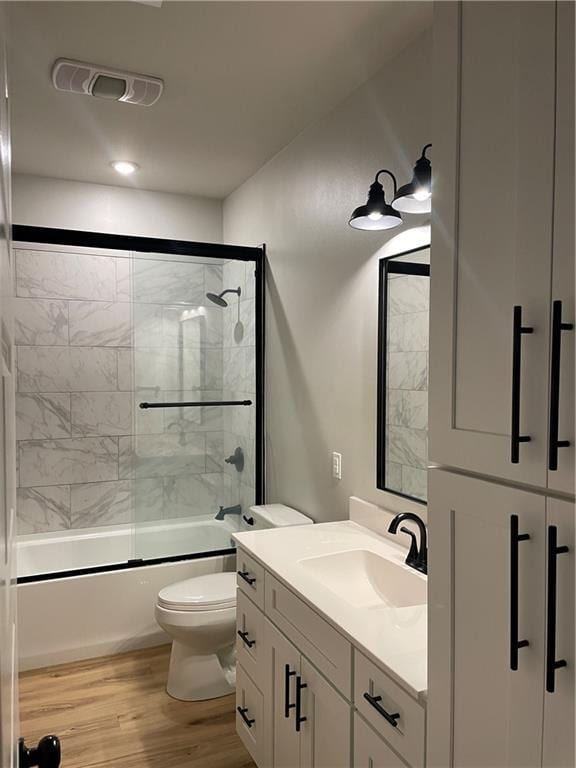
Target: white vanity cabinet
<point>306,712</point>
<point>501,626</point>
<point>501,367</point>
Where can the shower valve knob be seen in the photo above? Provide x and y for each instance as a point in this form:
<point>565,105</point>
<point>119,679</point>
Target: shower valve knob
<point>237,459</point>
<point>46,755</point>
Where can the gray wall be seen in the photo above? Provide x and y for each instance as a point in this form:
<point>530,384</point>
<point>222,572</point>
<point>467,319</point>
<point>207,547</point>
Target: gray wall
<point>323,282</point>
<point>42,202</point>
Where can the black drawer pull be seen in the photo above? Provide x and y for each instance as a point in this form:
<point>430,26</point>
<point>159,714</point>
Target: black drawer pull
<point>552,664</point>
<point>516,437</point>
<point>299,719</point>
<point>557,327</point>
<point>246,640</point>
<point>242,712</point>
<point>288,673</point>
<point>247,578</point>
<point>374,701</point>
<point>515,643</point>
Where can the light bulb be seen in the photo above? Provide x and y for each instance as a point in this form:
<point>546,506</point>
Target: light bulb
<point>421,194</point>
<point>375,215</point>
<point>124,167</point>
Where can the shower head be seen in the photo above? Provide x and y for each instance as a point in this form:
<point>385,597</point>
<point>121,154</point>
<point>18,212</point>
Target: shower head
<point>216,298</point>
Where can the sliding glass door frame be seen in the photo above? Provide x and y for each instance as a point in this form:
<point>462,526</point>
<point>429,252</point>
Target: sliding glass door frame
<point>69,237</point>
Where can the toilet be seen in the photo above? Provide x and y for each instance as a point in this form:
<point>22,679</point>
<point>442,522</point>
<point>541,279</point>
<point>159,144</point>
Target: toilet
<point>200,616</point>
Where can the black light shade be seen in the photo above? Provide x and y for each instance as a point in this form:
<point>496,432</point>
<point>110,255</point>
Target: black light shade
<point>376,214</point>
<point>416,197</point>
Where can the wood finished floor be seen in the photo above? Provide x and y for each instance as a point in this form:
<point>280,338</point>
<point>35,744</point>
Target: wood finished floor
<point>114,711</point>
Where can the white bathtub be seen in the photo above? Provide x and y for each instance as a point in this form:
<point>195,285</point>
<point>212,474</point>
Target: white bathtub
<point>89,615</point>
<point>93,547</point>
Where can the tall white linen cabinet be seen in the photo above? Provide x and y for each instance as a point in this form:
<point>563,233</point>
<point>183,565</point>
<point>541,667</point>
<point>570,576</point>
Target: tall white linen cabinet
<point>502,437</point>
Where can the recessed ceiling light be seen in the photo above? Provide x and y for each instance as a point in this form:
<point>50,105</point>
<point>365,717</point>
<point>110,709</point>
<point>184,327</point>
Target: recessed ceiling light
<point>124,167</point>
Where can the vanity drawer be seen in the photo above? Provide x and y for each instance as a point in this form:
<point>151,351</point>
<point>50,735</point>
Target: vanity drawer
<point>250,577</point>
<point>250,638</point>
<point>322,644</point>
<point>370,750</point>
<point>387,698</point>
<point>250,724</point>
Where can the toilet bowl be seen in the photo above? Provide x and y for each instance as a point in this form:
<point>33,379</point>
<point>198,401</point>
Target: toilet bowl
<point>199,614</point>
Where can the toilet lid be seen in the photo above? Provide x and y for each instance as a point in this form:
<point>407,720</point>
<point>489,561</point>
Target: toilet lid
<point>215,590</point>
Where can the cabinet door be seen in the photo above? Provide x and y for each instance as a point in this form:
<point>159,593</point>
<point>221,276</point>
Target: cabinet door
<point>283,668</point>
<point>493,156</point>
<point>495,712</point>
<point>559,696</point>
<point>561,472</point>
<point>326,732</point>
<point>371,751</point>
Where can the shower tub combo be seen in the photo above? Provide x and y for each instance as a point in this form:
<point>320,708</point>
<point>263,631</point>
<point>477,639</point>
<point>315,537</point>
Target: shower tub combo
<point>139,429</point>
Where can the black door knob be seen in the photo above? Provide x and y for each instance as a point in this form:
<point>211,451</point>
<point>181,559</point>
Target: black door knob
<point>46,755</point>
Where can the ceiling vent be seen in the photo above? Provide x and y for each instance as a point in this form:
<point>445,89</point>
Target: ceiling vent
<point>105,83</point>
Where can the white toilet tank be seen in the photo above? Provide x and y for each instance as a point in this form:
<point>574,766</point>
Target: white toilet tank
<point>263,516</point>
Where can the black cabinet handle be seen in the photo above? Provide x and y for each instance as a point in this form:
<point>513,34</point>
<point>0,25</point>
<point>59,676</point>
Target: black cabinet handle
<point>515,643</point>
<point>288,673</point>
<point>242,711</point>
<point>374,701</point>
<point>552,664</point>
<point>299,687</point>
<point>247,578</point>
<point>246,640</point>
<point>557,327</point>
<point>516,437</point>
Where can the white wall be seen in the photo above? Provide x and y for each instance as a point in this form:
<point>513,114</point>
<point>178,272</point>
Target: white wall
<point>43,202</point>
<point>323,282</point>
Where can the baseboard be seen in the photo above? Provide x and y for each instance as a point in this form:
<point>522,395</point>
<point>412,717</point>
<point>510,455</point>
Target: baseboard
<point>108,648</point>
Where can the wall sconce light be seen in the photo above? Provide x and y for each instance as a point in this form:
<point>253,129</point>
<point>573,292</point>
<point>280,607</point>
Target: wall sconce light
<point>376,214</point>
<point>416,197</point>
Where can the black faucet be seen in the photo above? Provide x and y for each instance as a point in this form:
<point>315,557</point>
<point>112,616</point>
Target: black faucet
<point>223,511</point>
<point>417,557</point>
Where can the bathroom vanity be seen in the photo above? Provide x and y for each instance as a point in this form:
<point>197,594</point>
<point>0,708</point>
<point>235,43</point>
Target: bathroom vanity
<point>331,649</point>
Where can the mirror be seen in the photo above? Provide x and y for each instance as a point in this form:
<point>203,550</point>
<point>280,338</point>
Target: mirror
<point>404,302</point>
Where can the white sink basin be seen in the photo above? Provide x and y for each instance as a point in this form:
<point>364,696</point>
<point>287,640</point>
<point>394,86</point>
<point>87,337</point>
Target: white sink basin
<point>366,580</point>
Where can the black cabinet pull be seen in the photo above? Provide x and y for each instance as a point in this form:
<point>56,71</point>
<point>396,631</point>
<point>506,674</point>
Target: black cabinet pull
<point>247,578</point>
<point>299,687</point>
<point>288,673</point>
<point>557,327</point>
<point>242,711</point>
<point>516,437</point>
<point>374,701</point>
<point>245,639</point>
<point>552,664</point>
<point>515,643</point>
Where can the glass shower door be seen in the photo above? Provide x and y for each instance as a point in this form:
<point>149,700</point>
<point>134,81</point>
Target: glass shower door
<point>191,458</point>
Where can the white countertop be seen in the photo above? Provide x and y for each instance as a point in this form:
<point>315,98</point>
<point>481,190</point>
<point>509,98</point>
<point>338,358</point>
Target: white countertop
<point>394,638</point>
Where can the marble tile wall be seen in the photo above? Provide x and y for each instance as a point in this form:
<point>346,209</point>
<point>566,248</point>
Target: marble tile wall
<point>407,385</point>
<point>97,334</point>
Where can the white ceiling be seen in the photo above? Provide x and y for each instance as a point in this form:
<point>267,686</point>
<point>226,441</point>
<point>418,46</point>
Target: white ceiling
<point>242,79</point>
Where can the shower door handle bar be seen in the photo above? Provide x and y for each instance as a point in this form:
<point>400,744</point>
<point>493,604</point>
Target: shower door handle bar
<point>194,404</point>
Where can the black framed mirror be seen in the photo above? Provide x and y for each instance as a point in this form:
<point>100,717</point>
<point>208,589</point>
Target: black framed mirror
<point>403,320</point>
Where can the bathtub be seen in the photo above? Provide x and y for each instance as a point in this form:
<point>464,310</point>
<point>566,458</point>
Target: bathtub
<point>72,550</point>
<point>82,616</point>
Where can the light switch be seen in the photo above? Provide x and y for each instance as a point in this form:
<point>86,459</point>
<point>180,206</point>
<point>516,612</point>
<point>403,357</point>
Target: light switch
<point>337,466</point>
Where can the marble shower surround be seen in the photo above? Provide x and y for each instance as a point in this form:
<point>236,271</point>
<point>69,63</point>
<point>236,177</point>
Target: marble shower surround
<point>407,384</point>
<point>87,455</point>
